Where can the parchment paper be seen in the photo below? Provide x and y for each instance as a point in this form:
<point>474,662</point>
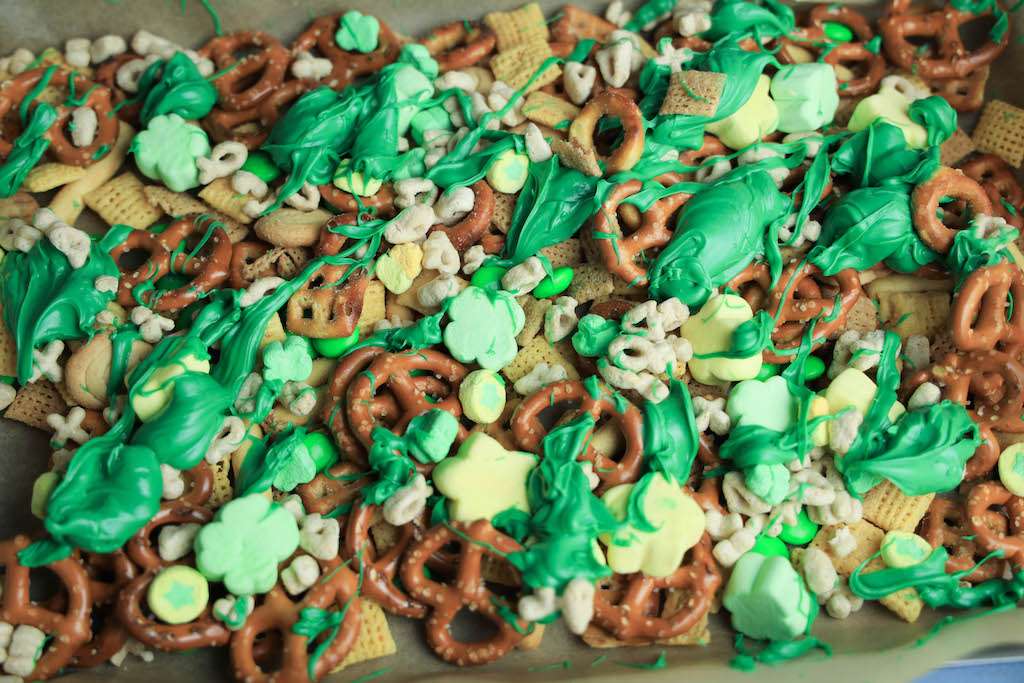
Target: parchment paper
<point>872,646</point>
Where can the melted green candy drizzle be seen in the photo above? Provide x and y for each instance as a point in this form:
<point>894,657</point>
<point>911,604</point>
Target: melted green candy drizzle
<point>30,145</point>
<point>174,86</point>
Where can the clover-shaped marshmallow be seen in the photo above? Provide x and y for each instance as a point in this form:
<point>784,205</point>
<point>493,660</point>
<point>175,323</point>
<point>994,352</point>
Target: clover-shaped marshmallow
<point>767,598</point>
<point>244,544</point>
<point>482,327</point>
<point>167,150</point>
<point>287,361</point>
<point>483,479</point>
<point>710,331</point>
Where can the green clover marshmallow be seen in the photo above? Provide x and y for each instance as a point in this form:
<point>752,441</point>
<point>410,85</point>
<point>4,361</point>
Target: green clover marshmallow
<point>167,151</point>
<point>483,327</point>
<point>768,599</point>
<point>805,95</point>
<point>357,32</point>
<point>245,543</point>
<point>287,361</point>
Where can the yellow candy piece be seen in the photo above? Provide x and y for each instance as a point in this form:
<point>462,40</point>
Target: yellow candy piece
<point>156,393</point>
<point>1011,468</point>
<point>482,395</point>
<point>756,118</point>
<point>178,594</point>
<point>483,479</point>
<point>677,517</point>
<point>852,388</point>
<point>41,490</point>
<point>710,331</point>
<point>891,105</point>
<point>353,182</point>
<point>399,267</point>
<point>508,172</point>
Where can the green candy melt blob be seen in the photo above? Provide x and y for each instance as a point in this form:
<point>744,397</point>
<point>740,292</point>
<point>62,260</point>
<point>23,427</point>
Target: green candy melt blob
<point>770,546</point>
<point>805,95</point>
<point>175,86</point>
<point>671,439</point>
<point>166,151</point>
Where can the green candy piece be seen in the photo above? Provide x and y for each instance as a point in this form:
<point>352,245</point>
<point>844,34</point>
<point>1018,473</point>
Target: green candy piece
<point>167,151</point>
<point>814,368</point>
<point>768,482</point>
<point>7,379</point>
<point>298,468</point>
<point>904,549</point>
<point>800,533</point>
<point>482,327</point>
<point>245,543</point>
<point>260,165</point>
<point>321,449</point>
<point>837,32</point>
<point>178,594</point>
<point>767,404</point>
<point>172,281</point>
<point>594,334</point>
<point>770,547</point>
<point>336,346</point>
<point>768,370</point>
<point>805,95</point>
<point>554,284</point>
<point>430,435</point>
<point>768,599</point>
<point>357,32</point>
<point>488,277</point>
<point>432,118</point>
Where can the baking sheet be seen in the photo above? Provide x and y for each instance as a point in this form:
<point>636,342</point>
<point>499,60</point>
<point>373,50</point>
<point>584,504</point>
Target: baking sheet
<point>871,646</point>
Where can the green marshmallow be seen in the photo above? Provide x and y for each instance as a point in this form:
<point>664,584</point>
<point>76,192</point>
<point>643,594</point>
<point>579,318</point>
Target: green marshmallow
<point>411,87</point>
<point>800,533</point>
<point>419,56</point>
<point>289,360</point>
<point>805,95</point>
<point>336,346</point>
<point>482,327</point>
<point>768,482</point>
<point>431,434</point>
<point>259,164</point>
<point>321,449</point>
<point>488,277</point>
<point>432,118</point>
<point>770,547</point>
<point>167,150</point>
<point>299,468</point>
<point>767,404</point>
<point>768,599</point>
<point>594,334</point>
<point>904,549</point>
<point>357,32</point>
<point>554,284</point>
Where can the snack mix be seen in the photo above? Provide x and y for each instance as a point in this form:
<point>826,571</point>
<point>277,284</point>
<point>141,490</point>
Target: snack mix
<point>691,307</point>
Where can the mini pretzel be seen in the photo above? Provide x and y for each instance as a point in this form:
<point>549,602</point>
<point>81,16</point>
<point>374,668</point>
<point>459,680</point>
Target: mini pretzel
<point>529,430</point>
<point>945,524</point>
<point>457,46</point>
<point>245,254</point>
<point>980,500</point>
<point>801,294</point>
<point>395,371</point>
<point>1000,184</point>
<point>979,318</point>
<point>140,546</point>
<point>251,126</point>
<point>109,635</point>
<point>612,103</point>
<point>277,615</point>
<point>575,24</point>
<point>620,252</point>
<point>470,229</point>
<point>963,94</point>
<point>348,66</point>
<point>380,568</point>
<point>985,457</point>
<point>989,383</point>
<point>128,107</point>
<point>69,628</point>
<point>169,253</point>
<point>381,204</point>
<point>947,182</point>
<point>91,95</point>
<point>267,65</point>
<point>332,489</point>
<point>943,26</point>
<point>853,52</point>
<point>635,612</point>
<point>325,307</point>
<point>468,590</point>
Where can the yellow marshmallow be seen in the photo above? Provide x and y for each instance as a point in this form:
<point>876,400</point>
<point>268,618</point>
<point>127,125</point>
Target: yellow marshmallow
<point>710,331</point>
<point>156,393</point>
<point>756,118</point>
<point>399,267</point>
<point>483,479</point>
<point>508,172</point>
<point>892,106</point>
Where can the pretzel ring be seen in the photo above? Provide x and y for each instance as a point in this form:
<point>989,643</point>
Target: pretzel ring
<point>470,229</point>
<point>945,525</point>
<point>381,204</point>
<point>943,26</point>
<point>380,568</point>
<point>106,75</point>
<point>985,457</point>
<point>252,126</point>
<point>140,546</point>
<point>979,319</point>
<point>620,252</point>
<point>322,308</point>
<point>855,51</point>
<point>395,371</point>
<point>963,94</point>
<point>279,614</point>
<point>109,636</point>
<point>989,383</point>
<point>468,590</point>
<point>329,490</point>
<point>947,182</point>
<point>529,430</point>
<point>1000,184</point>
<point>348,66</point>
<point>635,613</point>
<point>267,65</point>
<point>69,628</point>
<point>457,46</point>
<point>611,103</point>
<point>802,294</point>
<point>980,500</point>
<point>92,95</point>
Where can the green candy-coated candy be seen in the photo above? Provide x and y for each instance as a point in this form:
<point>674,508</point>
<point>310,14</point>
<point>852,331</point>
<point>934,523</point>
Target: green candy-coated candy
<point>800,533</point>
<point>770,547</point>
<point>7,379</point>
<point>488,277</point>
<point>259,164</point>
<point>321,449</point>
<point>172,281</point>
<point>768,370</point>
<point>332,348</point>
<point>554,284</point>
<point>837,32</point>
<point>813,368</point>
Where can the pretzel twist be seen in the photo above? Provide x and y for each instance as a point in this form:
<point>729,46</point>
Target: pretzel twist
<point>989,383</point>
<point>456,46</point>
<point>1000,184</point>
<point>853,52</point>
<point>980,501</point>
<point>947,182</point>
<point>347,66</point>
<point>251,126</point>
<point>107,575</point>
<point>945,524</point>
<point>979,319</point>
<point>245,81</point>
<point>329,490</point>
